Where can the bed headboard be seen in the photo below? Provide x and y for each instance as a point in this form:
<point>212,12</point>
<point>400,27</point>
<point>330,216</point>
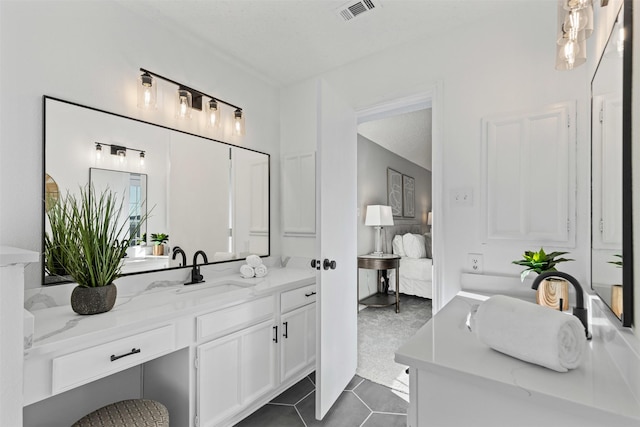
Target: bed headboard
<point>392,230</point>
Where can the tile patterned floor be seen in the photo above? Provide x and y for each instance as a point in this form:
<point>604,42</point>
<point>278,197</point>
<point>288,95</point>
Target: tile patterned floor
<point>362,404</point>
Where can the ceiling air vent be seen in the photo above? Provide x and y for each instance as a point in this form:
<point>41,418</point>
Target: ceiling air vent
<point>350,10</point>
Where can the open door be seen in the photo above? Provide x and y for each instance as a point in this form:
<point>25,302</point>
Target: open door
<point>336,216</point>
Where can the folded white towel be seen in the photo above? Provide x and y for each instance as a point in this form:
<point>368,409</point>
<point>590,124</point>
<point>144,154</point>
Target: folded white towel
<point>247,271</point>
<point>254,260</point>
<point>261,270</point>
<point>530,332</point>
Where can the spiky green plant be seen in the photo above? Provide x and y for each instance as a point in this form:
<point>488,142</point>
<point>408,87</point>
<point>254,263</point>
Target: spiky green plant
<point>540,262</point>
<point>159,238</point>
<point>97,238</point>
<point>54,256</point>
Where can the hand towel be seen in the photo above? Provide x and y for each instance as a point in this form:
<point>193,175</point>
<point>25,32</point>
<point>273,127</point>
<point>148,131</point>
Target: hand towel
<point>254,261</point>
<point>247,271</point>
<point>530,332</point>
<point>261,270</point>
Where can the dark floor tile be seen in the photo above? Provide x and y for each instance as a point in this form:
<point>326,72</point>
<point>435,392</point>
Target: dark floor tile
<point>386,420</point>
<point>273,416</point>
<point>355,382</point>
<point>348,411</point>
<point>312,377</point>
<point>295,393</point>
<point>380,398</point>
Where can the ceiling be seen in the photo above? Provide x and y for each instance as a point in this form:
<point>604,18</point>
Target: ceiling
<point>408,135</point>
<point>287,41</point>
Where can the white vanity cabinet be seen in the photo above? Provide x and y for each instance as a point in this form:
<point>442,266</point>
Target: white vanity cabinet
<point>234,371</point>
<point>298,325</point>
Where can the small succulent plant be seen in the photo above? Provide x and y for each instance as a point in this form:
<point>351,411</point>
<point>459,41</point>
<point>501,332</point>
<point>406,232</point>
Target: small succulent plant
<point>540,262</point>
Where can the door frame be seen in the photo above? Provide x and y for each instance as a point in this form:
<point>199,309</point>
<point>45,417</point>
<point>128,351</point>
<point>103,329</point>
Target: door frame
<point>430,98</point>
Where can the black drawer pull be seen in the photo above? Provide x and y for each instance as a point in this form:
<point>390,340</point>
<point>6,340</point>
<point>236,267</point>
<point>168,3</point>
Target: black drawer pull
<point>133,351</point>
<point>275,334</point>
<point>286,330</point>
<point>310,293</point>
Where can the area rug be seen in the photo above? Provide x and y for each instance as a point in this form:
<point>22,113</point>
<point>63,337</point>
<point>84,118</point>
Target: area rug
<point>381,331</point>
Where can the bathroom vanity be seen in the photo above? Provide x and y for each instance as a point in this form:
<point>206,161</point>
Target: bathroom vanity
<point>456,380</point>
<point>211,352</point>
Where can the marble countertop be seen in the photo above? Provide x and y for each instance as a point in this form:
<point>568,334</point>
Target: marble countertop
<point>10,256</point>
<point>58,327</point>
<point>446,345</point>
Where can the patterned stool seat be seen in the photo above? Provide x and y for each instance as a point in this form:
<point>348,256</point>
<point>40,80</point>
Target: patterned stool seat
<point>127,413</point>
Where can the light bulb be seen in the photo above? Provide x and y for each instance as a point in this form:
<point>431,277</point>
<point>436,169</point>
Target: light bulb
<point>146,91</point>
<point>122,154</point>
<point>620,42</point>
<point>142,158</point>
<point>238,122</point>
<point>213,114</point>
<point>184,104</point>
<point>98,151</point>
<point>570,51</point>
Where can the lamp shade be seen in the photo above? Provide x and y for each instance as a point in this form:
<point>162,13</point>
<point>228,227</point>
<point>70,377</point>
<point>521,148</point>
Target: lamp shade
<point>378,215</point>
<point>430,218</point>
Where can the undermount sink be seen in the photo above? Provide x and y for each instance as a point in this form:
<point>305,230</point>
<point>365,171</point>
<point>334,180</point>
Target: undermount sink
<point>213,287</point>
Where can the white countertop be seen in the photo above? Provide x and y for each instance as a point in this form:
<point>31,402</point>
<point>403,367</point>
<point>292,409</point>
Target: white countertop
<point>58,327</point>
<point>10,256</point>
<point>446,345</point>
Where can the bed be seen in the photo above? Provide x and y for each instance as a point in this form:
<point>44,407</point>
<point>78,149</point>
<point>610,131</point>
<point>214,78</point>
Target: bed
<point>416,264</point>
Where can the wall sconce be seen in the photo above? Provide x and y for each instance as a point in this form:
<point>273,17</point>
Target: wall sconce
<point>430,219</point>
<point>119,151</point>
<point>147,91</point>
<point>575,21</point>
<point>189,99</point>
<point>377,217</point>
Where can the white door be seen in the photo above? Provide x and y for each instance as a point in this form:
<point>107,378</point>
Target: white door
<point>336,176</point>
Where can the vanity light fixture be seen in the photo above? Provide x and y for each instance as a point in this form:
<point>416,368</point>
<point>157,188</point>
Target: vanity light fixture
<point>119,151</point>
<point>189,99</point>
<point>575,22</point>
<point>147,91</point>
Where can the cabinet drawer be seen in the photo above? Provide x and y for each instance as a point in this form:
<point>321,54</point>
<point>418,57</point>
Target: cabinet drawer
<point>234,318</point>
<point>87,365</point>
<point>297,298</point>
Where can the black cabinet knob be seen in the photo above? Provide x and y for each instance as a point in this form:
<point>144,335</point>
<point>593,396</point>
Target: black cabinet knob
<point>315,263</point>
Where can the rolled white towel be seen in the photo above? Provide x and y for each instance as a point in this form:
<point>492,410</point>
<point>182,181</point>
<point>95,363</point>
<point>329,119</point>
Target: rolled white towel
<point>254,260</point>
<point>530,332</point>
<point>247,271</point>
<point>261,270</point>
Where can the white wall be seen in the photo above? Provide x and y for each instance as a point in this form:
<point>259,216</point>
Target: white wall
<point>484,70</point>
<point>90,53</point>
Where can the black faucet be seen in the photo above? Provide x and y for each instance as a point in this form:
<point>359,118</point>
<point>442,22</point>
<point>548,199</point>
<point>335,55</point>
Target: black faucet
<point>178,250</point>
<point>579,310</point>
<point>196,277</point>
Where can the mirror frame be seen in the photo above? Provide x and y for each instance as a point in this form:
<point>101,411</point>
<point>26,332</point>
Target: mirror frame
<point>627,194</point>
<point>44,169</point>
<point>627,190</point>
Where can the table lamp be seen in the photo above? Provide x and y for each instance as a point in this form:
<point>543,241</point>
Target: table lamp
<point>378,216</point>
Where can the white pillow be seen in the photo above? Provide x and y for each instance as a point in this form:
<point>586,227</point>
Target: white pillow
<point>414,245</point>
<point>398,247</point>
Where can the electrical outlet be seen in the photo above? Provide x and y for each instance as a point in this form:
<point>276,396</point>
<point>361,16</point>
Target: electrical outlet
<point>474,262</point>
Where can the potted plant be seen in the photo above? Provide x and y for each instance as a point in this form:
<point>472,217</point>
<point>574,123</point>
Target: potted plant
<point>551,290</point>
<point>159,239</point>
<point>93,247</point>
<point>54,241</point>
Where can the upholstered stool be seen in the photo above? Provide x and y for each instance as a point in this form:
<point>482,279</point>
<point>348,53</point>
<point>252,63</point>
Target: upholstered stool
<point>129,413</point>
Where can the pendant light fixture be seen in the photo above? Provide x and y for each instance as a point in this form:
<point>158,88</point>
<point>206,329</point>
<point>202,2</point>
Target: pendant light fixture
<point>147,91</point>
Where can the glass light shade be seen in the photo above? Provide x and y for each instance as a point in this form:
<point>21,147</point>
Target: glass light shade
<point>142,158</point>
<point>122,156</point>
<point>183,104</point>
<point>147,91</point>
<point>576,4</point>
<point>571,55</point>
<point>580,22</point>
<point>98,151</point>
<point>238,122</point>
<point>430,219</point>
<point>213,114</point>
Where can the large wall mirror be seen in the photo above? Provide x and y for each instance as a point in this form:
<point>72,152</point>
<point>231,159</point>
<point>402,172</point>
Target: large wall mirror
<point>611,246</point>
<point>204,194</point>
